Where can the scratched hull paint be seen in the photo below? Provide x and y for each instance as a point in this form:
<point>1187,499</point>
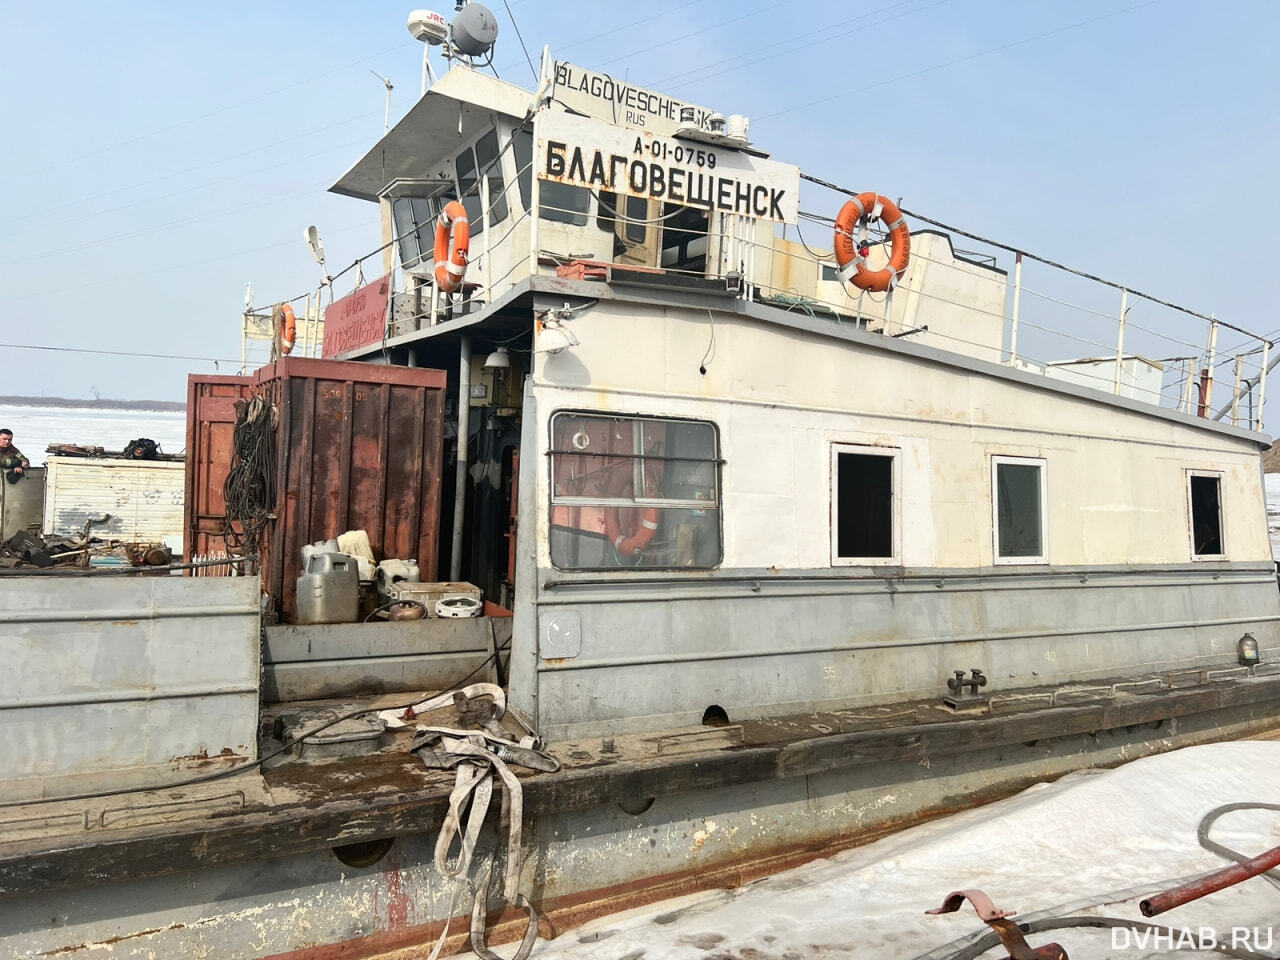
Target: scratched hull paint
<point>579,864</point>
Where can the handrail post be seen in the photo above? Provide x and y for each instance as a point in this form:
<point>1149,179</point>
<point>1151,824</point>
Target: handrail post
<point>485,225</point>
<point>1213,359</point>
<point>1124,310</point>
<point>1017,303</point>
<point>1235,394</point>
<point>1262,382</point>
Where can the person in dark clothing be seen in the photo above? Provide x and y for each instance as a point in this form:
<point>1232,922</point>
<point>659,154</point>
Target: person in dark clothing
<point>12,462</point>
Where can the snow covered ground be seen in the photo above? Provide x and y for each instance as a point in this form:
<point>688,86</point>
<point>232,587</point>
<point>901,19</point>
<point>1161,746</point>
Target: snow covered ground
<point>1053,847</point>
<point>1272,481</point>
<point>34,428</point>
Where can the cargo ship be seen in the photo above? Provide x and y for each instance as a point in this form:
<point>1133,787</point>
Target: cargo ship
<point>777,544</point>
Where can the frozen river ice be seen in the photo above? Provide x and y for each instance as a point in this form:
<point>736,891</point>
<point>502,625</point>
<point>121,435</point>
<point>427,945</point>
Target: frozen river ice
<point>34,428</point>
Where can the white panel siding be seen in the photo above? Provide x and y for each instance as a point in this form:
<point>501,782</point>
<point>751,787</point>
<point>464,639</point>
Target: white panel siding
<point>144,497</point>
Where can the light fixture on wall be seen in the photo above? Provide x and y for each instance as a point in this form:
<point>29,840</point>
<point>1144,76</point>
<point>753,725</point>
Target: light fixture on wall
<point>551,335</point>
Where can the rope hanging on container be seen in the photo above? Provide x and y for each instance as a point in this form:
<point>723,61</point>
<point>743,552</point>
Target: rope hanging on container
<point>250,487</point>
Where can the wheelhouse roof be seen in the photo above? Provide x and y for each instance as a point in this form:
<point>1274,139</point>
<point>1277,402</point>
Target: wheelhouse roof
<point>462,105</point>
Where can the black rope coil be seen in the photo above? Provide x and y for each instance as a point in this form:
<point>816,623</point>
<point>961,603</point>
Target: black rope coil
<point>250,487</point>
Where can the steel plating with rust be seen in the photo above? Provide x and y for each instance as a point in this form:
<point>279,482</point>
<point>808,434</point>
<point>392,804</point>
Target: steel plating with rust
<point>998,920</point>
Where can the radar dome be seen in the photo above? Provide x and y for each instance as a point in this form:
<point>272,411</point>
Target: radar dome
<point>475,28</point>
<point>428,26</point>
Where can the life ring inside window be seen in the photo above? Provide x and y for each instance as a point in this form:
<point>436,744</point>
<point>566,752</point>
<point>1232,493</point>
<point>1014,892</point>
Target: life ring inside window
<point>632,533</point>
<point>453,236</point>
<point>849,253</point>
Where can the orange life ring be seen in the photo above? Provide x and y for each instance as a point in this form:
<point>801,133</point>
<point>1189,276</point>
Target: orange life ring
<point>853,265</point>
<point>631,544</point>
<point>453,235</point>
<point>288,329</point>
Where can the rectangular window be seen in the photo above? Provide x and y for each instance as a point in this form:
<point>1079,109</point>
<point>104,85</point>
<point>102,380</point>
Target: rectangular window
<point>829,273</point>
<point>522,151</point>
<point>1019,508</point>
<point>1205,494</point>
<point>633,492</point>
<point>489,160</point>
<point>563,202</point>
<point>469,189</point>
<point>415,225</point>
<point>684,239</point>
<point>863,505</point>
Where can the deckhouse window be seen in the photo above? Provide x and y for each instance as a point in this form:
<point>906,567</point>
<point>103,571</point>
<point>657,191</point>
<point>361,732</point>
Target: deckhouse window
<point>864,526</point>
<point>489,160</point>
<point>559,202</point>
<point>1204,492</point>
<point>633,492</point>
<point>415,224</point>
<point>1019,508</point>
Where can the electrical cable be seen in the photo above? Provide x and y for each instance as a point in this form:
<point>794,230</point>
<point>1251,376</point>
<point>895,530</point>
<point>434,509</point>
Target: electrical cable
<point>520,37</point>
<point>963,947</point>
<point>44,211</point>
<point>992,939</point>
<point>100,150</point>
<point>779,47</point>
<point>793,108</point>
<point>250,487</point>
<point>112,353</point>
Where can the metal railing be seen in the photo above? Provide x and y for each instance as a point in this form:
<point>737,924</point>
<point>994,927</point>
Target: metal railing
<point>1052,320</point>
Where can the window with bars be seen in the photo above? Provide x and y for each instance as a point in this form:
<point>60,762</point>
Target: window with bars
<point>634,492</point>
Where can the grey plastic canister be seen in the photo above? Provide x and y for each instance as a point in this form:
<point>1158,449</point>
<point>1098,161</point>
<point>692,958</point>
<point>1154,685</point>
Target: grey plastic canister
<point>329,592</point>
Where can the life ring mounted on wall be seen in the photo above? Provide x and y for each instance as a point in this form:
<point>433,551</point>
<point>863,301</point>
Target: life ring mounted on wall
<point>287,324</point>
<point>849,255</point>
<point>453,237</point>
<point>632,542</point>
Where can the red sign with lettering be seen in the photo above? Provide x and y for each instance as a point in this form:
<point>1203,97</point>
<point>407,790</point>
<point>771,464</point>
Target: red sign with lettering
<point>358,319</point>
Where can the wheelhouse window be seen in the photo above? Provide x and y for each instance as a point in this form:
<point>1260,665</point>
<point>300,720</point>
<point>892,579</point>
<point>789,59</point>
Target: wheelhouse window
<point>415,224</point>
<point>558,202</point>
<point>684,239</point>
<point>634,492</point>
<point>864,525</point>
<point>1020,507</point>
<point>489,160</point>
<point>1204,491</point>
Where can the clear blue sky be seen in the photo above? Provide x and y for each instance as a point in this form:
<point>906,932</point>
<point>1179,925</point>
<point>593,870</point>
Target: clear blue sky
<point>156,159</point>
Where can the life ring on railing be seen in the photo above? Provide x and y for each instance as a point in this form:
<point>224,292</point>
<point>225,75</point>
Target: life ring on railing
<point>632,543</point>
<point>853,264</point>
<point>288,329</point>
<point>453,235</point>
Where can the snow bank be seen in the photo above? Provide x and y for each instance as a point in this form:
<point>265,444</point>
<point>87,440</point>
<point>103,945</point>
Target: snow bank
<point>1054,844</point>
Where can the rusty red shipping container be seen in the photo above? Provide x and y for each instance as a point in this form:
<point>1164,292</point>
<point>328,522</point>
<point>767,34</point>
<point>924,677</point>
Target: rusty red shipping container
<point>359,447</point>
<point>211,419</point>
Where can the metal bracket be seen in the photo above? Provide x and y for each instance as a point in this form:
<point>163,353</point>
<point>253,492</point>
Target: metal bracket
<point>998,920</point>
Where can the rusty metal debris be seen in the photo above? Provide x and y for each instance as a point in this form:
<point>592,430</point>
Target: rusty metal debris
<point>1211,883</point>
<point>998,920</point>
<point>25,550</point>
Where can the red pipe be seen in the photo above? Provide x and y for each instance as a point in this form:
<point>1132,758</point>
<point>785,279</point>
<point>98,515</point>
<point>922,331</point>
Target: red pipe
<point>1227,877</point>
